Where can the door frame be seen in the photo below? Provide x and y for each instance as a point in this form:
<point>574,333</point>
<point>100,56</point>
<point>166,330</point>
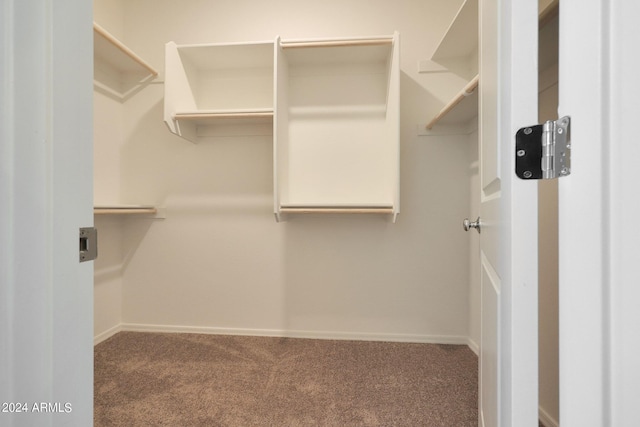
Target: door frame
<point>512,78</point>
<point>598,239</point>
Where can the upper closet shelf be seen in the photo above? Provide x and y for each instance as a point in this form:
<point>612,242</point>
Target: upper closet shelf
<point>118,70</point>
<point>457,51</point>
<point>217,84</point>
<point>461,38</point>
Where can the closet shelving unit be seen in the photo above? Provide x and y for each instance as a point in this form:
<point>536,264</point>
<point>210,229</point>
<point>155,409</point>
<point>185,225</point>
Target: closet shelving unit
<point>209,85</point>
<point>333,106</point>
<point>457,52</point>
<point>118,70</point>
<point>336,142</point>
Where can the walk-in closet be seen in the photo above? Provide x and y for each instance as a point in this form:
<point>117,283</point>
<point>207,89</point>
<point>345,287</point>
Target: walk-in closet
<point>297,170</point>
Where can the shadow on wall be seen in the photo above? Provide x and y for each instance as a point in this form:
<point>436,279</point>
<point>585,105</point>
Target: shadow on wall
<point>159,166</point>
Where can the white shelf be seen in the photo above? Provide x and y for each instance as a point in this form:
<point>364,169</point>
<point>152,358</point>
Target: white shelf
<point>336,143</point>
<point>385,210</point>
<point>337,209</point>
<point>135,210</point>
<point>118,70</point>
<point>212,84</point>
<point>457,51</point>
<point>461,38</point>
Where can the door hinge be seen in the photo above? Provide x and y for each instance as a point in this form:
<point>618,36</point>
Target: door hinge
<point>544,151</point>
<point>88,244</point>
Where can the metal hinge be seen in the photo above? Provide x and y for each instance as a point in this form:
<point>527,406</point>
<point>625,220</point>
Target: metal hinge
<point>88,244</point>
<point>544,151</point>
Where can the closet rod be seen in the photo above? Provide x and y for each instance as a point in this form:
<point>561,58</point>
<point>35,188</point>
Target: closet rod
<point>466,91</point>
<point>117,43</point>
<point>123,211</point>
<point>344,210</point>
<point>337,43</point>
<point>230,115</point>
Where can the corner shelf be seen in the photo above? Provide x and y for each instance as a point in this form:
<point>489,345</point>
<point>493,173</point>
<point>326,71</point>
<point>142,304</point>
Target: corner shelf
<point>461,38</point>
<point>118,70</point>
<point>457,52</point>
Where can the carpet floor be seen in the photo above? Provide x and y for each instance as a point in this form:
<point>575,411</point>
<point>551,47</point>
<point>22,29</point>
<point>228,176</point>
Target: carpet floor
<point>153,379</point>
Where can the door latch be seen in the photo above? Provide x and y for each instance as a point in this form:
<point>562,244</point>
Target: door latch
<point>544,151</point>
<point>88,244</point>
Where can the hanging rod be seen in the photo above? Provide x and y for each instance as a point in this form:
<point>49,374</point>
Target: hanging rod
<point>118,44</point>
<point>336,43</point>
<point>466,91</point>
<point>222,115</point>
<point>337,209</point>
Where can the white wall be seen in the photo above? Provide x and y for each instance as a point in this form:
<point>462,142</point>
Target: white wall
<point>108,138</point>
<point>108,270</point>
<point>220,262</point>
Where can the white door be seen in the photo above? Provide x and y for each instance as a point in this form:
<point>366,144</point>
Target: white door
<point>46,304</point>
<point>599,258</point>
<point>508,239</point>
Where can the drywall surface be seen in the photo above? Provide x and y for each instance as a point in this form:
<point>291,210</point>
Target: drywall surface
<point>108,137</point>
<point>220,263</point>
<point>107,287</point>
<point>109,14</point>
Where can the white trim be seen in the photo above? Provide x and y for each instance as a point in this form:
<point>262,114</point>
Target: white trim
<point>474,346</point>
<point>545,419</point>
<point>327,335</point>
<point>584,240</point>
<point>106,334</point>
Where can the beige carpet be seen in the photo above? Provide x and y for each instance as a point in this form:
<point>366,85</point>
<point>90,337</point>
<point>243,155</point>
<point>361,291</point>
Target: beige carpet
<point>149,379</point>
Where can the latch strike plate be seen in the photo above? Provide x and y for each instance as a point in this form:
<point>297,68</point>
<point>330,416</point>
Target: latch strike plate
<point>88,244</point>
<point>544,151</point>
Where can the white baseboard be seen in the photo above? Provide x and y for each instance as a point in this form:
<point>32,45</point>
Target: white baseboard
<point>430,339</point>
<point>546,419</point>
<point>106,334</point>
<point>474,346</point>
